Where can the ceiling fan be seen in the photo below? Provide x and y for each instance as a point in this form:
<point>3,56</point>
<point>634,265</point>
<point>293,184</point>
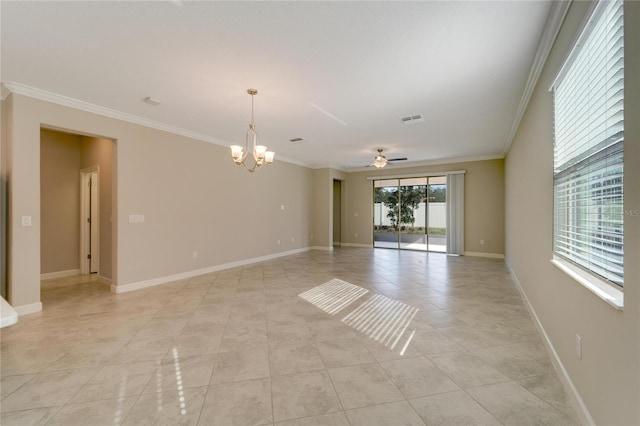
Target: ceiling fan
<point>380,160</point>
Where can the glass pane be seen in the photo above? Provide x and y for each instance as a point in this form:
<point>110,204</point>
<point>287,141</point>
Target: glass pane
<point>437,214</point>
<point>411,221</point>
<point>385,208</point>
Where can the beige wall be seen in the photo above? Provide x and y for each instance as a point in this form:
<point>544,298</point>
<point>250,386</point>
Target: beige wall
<point>321,228</point>
<point>99,152</point>
<point>23,242</point>
<point>608,375</point>
<point>3,199</point>
<point>192,195</point>
<point>322,216</point>
<point>484,203</point>
<point>60,163</point>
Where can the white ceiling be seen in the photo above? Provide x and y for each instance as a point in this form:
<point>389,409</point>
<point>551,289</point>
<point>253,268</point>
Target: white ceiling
<point>338,74</point>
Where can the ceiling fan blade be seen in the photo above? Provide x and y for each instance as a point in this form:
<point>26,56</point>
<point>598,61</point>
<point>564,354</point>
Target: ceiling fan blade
<point>398,159</point>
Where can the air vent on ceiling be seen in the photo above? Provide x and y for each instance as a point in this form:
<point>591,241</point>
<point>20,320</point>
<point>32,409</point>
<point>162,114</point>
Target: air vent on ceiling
<point>296,140</point>
<point>410,119</point>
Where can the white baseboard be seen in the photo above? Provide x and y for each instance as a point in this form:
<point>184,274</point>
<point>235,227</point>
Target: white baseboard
<point>578,404</point>
<point>8,315</point>
<point>479,254</point>
<point>321,248</point>
<point>181,276</point>
<point>357,245</point>
<point>28,309</point>
<point>59,274</point>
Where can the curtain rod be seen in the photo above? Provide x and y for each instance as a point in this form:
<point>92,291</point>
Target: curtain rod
<point>417,175</point>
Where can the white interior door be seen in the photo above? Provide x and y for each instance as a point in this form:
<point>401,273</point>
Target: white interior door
<point>93,221</point>
<point>89,221</point>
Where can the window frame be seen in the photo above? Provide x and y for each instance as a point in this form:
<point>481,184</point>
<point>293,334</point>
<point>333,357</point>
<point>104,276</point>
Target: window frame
<point>610,292</point>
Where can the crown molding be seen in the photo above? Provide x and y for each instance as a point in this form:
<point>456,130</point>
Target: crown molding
<point>284,159</point>
<point>551,29</point>
<point>4,92</point>
<point>43,95</point>
<point>329,166</point>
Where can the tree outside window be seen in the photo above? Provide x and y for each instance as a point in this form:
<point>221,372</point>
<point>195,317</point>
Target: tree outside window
<point>409,200</point>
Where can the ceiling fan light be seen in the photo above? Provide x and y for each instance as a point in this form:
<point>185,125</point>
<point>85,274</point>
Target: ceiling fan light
<point>380,162</point>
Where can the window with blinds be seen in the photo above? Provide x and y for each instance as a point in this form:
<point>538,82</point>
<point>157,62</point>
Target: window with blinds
<point>588,150</point>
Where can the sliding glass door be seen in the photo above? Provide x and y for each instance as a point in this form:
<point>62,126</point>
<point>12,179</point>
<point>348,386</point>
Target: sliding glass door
<point>385,196</point>
<point>410,213</point>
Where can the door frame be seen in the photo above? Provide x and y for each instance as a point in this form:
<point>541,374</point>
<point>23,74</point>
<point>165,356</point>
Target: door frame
<point>86,208</point>
<point>398,179</point>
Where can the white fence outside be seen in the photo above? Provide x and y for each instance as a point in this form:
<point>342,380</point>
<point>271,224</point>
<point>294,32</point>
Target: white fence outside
<point>437,215</point>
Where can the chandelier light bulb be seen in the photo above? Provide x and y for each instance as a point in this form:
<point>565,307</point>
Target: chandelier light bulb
<point>236,152</point>
<point>268,157</point>
<point>259,151</point>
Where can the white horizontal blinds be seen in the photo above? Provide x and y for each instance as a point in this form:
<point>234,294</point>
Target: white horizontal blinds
<point>588,150</point>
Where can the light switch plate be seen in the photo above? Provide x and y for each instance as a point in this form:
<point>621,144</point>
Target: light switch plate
<point>136,218</point>
<point>26,220</point>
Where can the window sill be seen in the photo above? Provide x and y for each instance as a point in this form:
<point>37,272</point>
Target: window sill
<point>600,288</point>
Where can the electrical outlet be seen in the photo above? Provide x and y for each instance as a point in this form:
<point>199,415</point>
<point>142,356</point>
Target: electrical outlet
<point>578,346</point>
<point>26,220</point>
<point>293,240</point>
<point>195,254</point>
<point>356,235</point>
<point>279,242</point>
<point>481,242</point>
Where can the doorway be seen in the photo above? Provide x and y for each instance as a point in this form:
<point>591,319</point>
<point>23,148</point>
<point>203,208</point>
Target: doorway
<point>90,220</point>
<point>77,201</point>
<point>337,212</point>
<point>410,213</point>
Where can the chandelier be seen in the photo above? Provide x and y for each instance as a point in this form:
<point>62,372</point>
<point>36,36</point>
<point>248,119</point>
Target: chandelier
<point>260,154</point>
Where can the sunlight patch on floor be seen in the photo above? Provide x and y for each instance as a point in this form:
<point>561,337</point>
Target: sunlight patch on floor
<point>334,295</point>
<point>380,318</point>
<point>383,319</point>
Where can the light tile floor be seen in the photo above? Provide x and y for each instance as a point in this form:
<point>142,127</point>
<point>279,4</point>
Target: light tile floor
<point>426,339</point>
